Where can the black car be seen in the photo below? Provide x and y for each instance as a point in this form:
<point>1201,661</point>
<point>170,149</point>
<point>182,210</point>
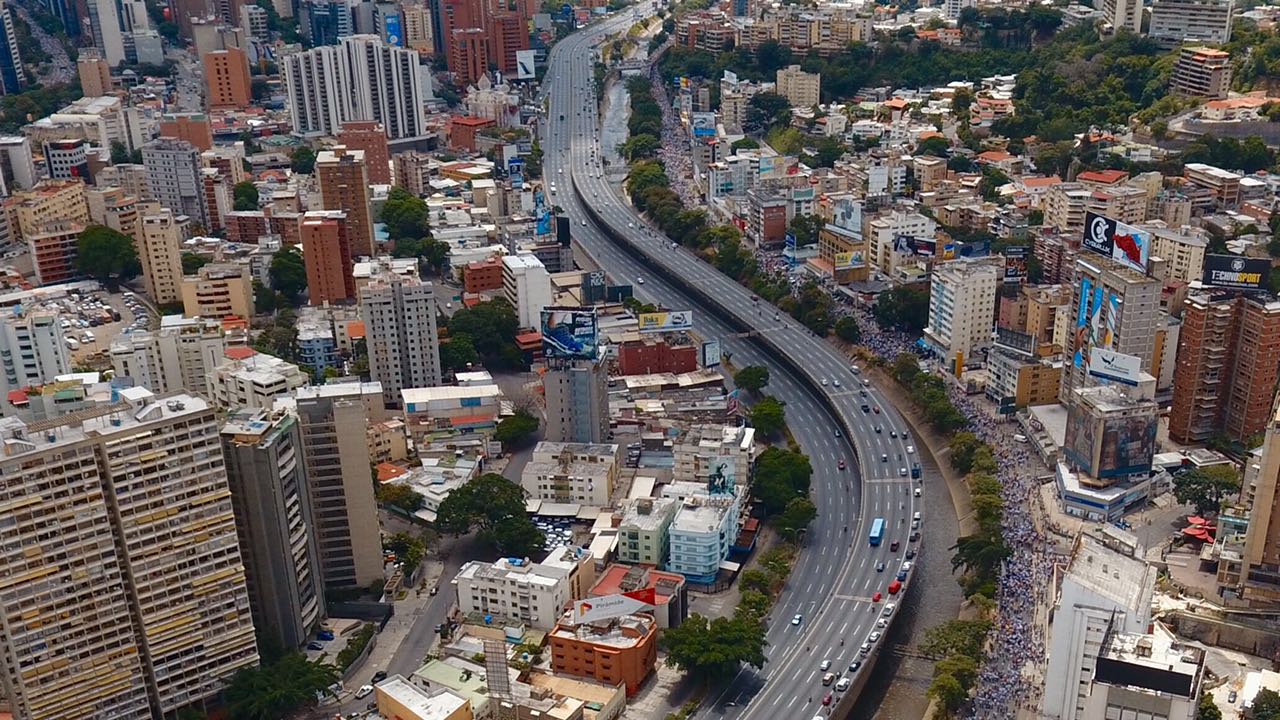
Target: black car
<point>853,666</point>
<point>911,554</point>
<point>380,676</point>
<point>866,407</point>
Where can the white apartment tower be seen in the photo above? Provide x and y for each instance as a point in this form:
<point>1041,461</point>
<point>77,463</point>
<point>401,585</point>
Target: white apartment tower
<point>134,605</point>
<point>962,306</point>
<point>526,284</point>
<point>360,78</point>
<point>159,244</point>
<point>178,356</point>
<point>1123,15</point>
<point>1193,21</point>
<point>399,313</point>
<point>32,349</point>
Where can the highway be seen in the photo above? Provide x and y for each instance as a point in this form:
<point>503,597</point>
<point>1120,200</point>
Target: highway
<point>836,575</point>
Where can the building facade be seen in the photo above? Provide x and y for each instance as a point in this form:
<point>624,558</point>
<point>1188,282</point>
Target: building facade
<point>399,313</point>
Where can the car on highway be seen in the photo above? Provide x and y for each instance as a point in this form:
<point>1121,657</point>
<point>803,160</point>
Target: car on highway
<point>902,575</point>
<point>823,381</point>
<point>917,492</point>
<point>828,679</point>
<point>911,449</point>
<point>906,567</point>
<point>911,553</point>
<point>874,637</point>
<point>893,434</point>
<point>825,666</point>
<point>884,457</point>
<point>640,280</point>
<point>841,463</point>
<point>838,434</point>
<point>878,429</point>
<point>882,623</point>
<point>866,408</point>
<point>797,619</point>
<point>876,409</point>
<point>855,369</point>
<point>853,666</point>
<point>894,587</point>
<point>889,608</point>
<point>843,684</point>
<point>902,472</point>
<point>893,546</point>
<point>875,597</point>
<point>880,566</point>
<point>827,700</point>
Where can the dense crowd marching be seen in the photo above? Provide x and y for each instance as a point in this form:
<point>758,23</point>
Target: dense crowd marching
<point>674,149</point>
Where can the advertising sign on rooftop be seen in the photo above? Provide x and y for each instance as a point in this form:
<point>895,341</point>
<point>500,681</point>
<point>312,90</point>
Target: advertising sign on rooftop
<point>569,333</point>
<point>1119,241</point>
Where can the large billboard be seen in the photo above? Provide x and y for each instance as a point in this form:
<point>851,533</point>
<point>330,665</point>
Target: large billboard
<point>703,124</point>
<point>1119,241</point>
<point>1128,443</point>
<point>605,607</point>
<point>1015,263</point>
<point>1111,365</point>
<point>569,333</point>
<point>1235,272</point>
<point>666,321</point>
<point>908,245</point>
<point>525,64</point>
<point>710,353</point>
<point>1097,319</point>
<point>1077,446</point>
<point>848,260</point>
<point>395,36</point>
<point>847,214</point>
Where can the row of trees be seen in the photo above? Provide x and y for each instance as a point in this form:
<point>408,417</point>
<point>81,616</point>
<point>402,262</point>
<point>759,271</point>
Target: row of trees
<point>956,648</point>
<point>928,393</point>
<point>645,123</point>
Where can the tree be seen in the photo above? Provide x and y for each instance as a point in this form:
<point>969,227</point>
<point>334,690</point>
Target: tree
<point>1204,487</point>
<point>847,330</point>
<point>265,300</point>
<point>781,476</point>
<point>302,160</point>
<point>903,308</point>
<point>1208,709</point>
<point>107,255</point>
<point>492,327</point>
<point>948,691</point>
<point>714,649</point>
<point>458,353</point>
<point>274,691</point>
<point>805,228</point>
<point>495,506</point>
<point>799,513</point>
<point>753,605</point>
<point>409,550</point>
<point>119,153</point>
<point>768,416</point>
<point>1266,705</point>
<point>246,195</point>
<point>963,445</point>
<point>401,496</point>
<point>288,273</point>
<point>745,143</point>
<point>192,262</point>
<point>935,145</point>
<point>406,216</point>
<point>515,430</point>
<point>640,146</point>
<point>766,111</point>
<point>955,637</point>
<point>752,378</point>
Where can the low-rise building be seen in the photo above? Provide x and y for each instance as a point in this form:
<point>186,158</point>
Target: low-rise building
<point>582,473</point>
<point>450,410</point>
<point>179,356</point>
<point>619,651</point>
<point>516,588</point>
<point>670,592</point>
<point>252,379</point>
<point>643,531</point>
<point>218,290</point>
<point>703,531</point>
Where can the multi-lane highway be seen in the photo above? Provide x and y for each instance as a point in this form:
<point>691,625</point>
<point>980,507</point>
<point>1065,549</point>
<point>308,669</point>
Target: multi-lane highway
<point>832,585</point>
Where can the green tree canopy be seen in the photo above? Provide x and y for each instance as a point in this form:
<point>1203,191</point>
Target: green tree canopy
<point>796,517</point>
<point>1266,705</point>
<point>192,262</point>
<point>493,505</point>
<point>806,229</point>
<point>1208,709</point>
<point>766,111</point>
<point>1205,487</point>
<point>458,353</point>
<point>847,330</point>
<point>402,496</point>
<point>903,308</point>
<point>406,215</point>
<point>107,255</point>
<point>752,378</point>
<point>277,690</point>
<point>303,160</point>
<point>288,273</point>
<point>768,416</point>
<point>516,430</point>
<point>714,649</point>
<point>492,327</point>
<point>245,195</point>
<point>781,476</point>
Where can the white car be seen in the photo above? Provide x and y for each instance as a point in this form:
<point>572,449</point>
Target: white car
<point>874,637</point>
<point>797,619</point>
<point>640,281</point>
<point>825,666</point>
<point>824,382</point>
<point>888,609</point>
<point>836,382</point>
<point>364,692</point>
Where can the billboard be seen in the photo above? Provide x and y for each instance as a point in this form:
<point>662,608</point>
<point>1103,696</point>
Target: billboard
<point>1128,443</point>
<point>1235,272</point>
<point>703,124</point>
<point>391,25</point>
<point>1077,446</point>
<point>593,286</point>
<point>710,353</point>
<point>790,240</point>
<point>525,64</point>
<point>851,259</point>
<point>1119,241</point>
<point>1097,318</point>
<point>847,214</point>
<point>611,606</point>
<point>1111,365</point>
<point>1015,263</point>
<point>569,333</point>
<point>666,321</point>
<point>907,245</point>
<point>730,76</point>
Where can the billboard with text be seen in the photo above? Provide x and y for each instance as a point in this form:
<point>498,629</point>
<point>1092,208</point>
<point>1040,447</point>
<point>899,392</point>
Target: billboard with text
<point>1015,263</point>
<point>569,333</point>
<point>1111,365</point>
<point>1236,272</point>
<point>1128,444</point>
<point>703,124</point>
<point>1119,241</point>
<point>666,321</point>
<point>711,353</point>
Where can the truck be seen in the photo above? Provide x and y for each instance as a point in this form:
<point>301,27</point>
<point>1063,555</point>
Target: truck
<point>877,531</point>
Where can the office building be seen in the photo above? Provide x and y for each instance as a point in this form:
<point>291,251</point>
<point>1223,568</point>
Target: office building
<point>344,185</point>
<point>518,589</point>
<point>579,473</point>
<point>416,22</point>
<point>66,159</point>
<point>325,22</point>
<point>226,74</point>
<point>1182,251</point>
<point>159,243</point>
<point>1227,362</point>
<point>272,504</point>
<point>1120,15</point>
<point>704,529</point>
<point>334,419</point>
<point>643,532</point>
<point>1144,675</point>
<point>17,166</point>
<point>1115,308</point>
<point>218,290</point>
<point>1191,21</point>
<point>192,127</point>
<point>142,621</point>
<point>13,79</point>
<point>179,356</point>
<point>800,88</point>
<point>174,178</point>
<point>577,397</point>
<point>1224,185</point>
<point>326,250</point>
<point>618,651</point>
<point>33,350</point>
<point>1202,72</point>
<point>400,323</point>
<point>468,54</point>
<point>362,78</point>
<point>108,32</point>
<point>526,284</point>
<point>370,138</point>
<point>962,307</point>
<point>1103,590</point>
<point>247,378</point>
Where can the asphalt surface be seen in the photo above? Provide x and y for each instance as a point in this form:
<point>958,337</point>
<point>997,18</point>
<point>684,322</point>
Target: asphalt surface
<point>835,577</point>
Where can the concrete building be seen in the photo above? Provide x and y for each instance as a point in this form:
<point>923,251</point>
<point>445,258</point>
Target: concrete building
<point>577,397</point>
<point>1139,675</point>
<point>17,166</point>
<point>527,286</point>
<point>1107,454</point>
<point>173,175</point>
<point>1202,72</point>
<point>110,588</point>
<point>723,452</point>
<point>1118,309</point>
<point>33,350</point>
<point>1102,591</point>
<point>48,202</point>
<point>800,88</point>
<point>1175,22</point>
<point>514,588</point>
<point>54,247</point>
<point>398,698</point>
<point>962,307</point>
<point>362,78</point>
<point>703,531</point>
<point>218,290</point>
<point>1182,251</point>
<point>251,379</point>
<point>577,473</point>
<point>114,208</point>
<point>399,313</point>
<point>334,419</point>
<point>643,531</point>
<point>254,22</point>
<point>620,651</point>
<point>226,74</point>
<point>1224,184</point>
<point>1227,366</point>
<point>179,356</point>
<point>1065,207</point>
<point>94,72</point>
<point>344,185</point>
<point>884,229</point>
<point>370,138</point>
<point>66,159</point>
<point>276,531</point>
<point>670,590</point>
<point>449,411</point>
<point>1120,15</point>
<point>326,251</point>
<point>159,243</point>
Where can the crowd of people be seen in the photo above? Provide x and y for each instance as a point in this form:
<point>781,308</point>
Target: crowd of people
<point>674,149</point>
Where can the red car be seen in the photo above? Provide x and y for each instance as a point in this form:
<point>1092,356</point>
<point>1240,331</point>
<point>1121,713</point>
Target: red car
<point>827,700</point>
<point>875,597</point>
<point>876,409</point>
<point>842,464</point>
<point>894,587</point>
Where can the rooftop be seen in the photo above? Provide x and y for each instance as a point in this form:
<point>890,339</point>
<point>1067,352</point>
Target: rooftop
<point>427,706</point>
<point>141,408</point>
<point>416,396</point>
<point>1126,580</point>
<point>659,510</point>
<point>623,632</point>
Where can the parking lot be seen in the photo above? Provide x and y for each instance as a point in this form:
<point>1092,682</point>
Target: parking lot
<point>91,320</point>
<point>559,531</point>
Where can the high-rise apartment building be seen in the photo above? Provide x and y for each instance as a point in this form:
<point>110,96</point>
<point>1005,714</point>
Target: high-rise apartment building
<point>179,356</point>
<point>192,127</point>
<point>962,307</point>
<point>1114,307</point>
<point>1202,72</point>
<point>13,79</point>
<point>135,605</point>
<point>400,329</point>
<point>272,503</point>
<point>344,185</point>
<point>1122,15</point>
<point>326,250</point>
<point>577,396</point>
<point>159,242</point>
<point>334,419</point>
<point>527,286</point>
<point>226,73</point>
<point>800,88</point>
<point>173,175</point>
<point>67,159</point>
<point>53,248</point>
<point>50,201</point>
<point>1197,21</point>
<point>254,21</point>
<point>32,348</point>
<point>370,138</point>
<point>362,78</point>
<point>326,22</point>
<point>94,72</point>
<point>1227,366</point>
<point>1259,578</point>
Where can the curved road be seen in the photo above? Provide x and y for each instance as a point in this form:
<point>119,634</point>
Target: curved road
<point>835,577</point>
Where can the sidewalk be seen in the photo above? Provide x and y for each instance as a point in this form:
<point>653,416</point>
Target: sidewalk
<point>406,614</point>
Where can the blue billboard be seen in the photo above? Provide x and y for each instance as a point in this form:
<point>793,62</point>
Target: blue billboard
<point>569,333</point>
<point>395,37</point>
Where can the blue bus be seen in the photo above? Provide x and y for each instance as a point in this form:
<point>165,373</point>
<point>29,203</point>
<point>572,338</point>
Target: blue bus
<point>877,531</point>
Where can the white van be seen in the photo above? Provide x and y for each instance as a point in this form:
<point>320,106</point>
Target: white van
<point>1019,437</point>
